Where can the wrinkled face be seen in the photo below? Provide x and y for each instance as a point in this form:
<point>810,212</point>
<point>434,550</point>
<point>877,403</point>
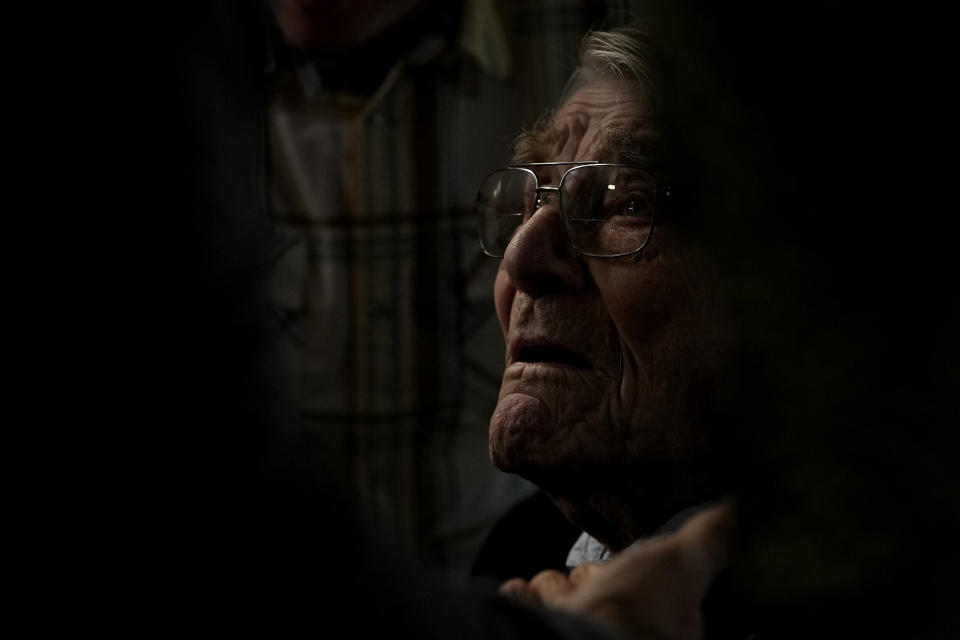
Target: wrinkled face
<point>602,355</point>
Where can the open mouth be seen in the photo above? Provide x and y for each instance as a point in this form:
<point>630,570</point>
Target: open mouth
<point>552,355</point>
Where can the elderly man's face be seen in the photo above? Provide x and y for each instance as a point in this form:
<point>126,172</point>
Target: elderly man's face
<point>602,354</point>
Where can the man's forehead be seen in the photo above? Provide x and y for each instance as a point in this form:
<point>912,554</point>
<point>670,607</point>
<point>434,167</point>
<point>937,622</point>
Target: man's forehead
<point>634,146</point>
<point>609,123</point>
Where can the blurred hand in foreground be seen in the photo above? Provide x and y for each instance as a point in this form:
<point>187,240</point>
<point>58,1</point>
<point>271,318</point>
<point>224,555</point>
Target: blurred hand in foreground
<point>652,589</point>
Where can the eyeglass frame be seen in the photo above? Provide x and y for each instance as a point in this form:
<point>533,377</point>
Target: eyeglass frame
<point>658,191</point>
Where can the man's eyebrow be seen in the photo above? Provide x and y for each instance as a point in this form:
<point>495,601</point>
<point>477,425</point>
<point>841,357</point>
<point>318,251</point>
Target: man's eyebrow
<point>634,147</point>
<point>542,143</point>
<point>538,143</point>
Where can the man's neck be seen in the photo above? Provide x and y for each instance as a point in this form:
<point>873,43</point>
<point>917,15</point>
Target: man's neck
<point>612,520</point>
<point>618,518</point>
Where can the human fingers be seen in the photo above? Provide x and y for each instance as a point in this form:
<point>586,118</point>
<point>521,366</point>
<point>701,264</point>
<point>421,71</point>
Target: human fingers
<point>709,531</point>
<point>551,586</point>
<point>519,589</point>
<point>583,572</point>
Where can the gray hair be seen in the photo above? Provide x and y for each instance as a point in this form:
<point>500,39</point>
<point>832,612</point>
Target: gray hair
<point>621,53</point>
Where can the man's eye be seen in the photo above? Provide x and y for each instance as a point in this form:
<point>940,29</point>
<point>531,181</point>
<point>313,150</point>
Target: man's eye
<point>631,207</point>
<point>636,207</point>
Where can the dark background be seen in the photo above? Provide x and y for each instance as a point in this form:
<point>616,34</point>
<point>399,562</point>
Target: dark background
<point>818,141</point>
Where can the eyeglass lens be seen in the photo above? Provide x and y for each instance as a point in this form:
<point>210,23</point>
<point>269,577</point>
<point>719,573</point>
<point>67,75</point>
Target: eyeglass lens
<point>607,209</point>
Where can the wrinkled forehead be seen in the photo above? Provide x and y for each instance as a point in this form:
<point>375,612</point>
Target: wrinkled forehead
<point>606,120</point>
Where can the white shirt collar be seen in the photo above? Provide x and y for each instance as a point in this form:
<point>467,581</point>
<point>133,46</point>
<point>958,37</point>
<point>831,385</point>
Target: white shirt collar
<point>589,549</point>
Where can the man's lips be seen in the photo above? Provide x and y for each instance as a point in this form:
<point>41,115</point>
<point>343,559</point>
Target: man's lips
<point>546,351</point>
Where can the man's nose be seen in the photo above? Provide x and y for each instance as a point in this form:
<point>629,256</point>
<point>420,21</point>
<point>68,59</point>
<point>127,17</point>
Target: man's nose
<point>539,259</point>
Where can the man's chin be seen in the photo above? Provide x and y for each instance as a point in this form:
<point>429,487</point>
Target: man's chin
<point>527,451</point>
<point>525,466</point>
<point>520,432</point>
<point>526,439</point>
<point>511,454</point>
